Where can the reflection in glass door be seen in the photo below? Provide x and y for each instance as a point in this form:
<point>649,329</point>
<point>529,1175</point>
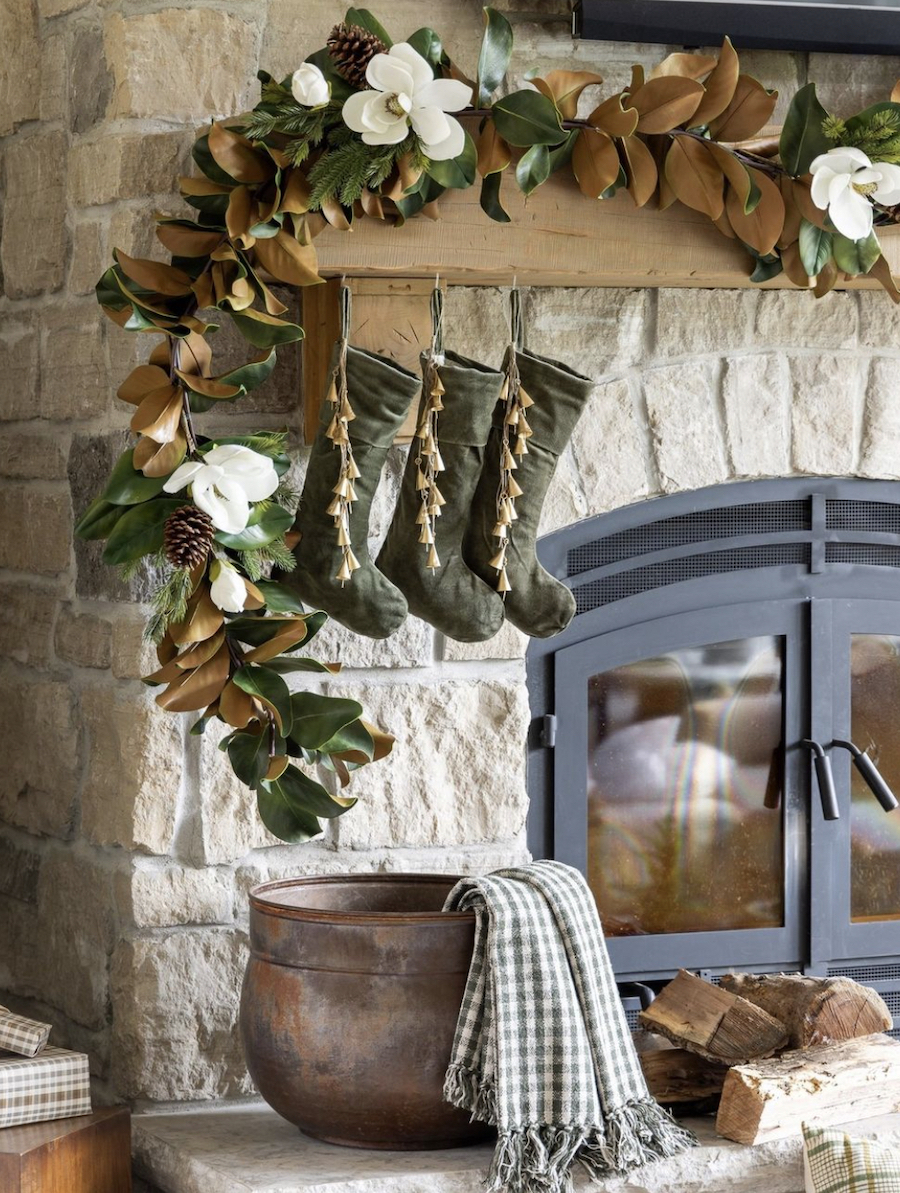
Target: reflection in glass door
<point>875,728</point>
<point>684,775</point>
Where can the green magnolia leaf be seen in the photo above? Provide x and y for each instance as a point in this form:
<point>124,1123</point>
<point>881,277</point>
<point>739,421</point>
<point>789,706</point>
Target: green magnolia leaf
<point>620,181</point>
<point>279,598</point>
<point>533,168</point>
<point>458,172</point>
<point>266,523</point>
<point>861,119</point>
<point>562,154</point>
<point>855,257</point>
<point>354,736</point>
<point>283,816</point>
<point>527,118</point>
<point>317,718</point>
<point>199,726</point>
<point>265,331</point>
<point>815,247</point>
<point>365,20</point>
<point>427,43</point>
<point>254,631</point>
<point>248,754</point>
<point>802,138</point>
<point>493,61</point>
<point>768,266</point>
<point>302,792</point>
<point>265,685</point>
<point>490,198</point>
<point>285,666</point>
<point>109,292</point>
<point>139,531</point>
<point>252,374</point>
<point>98,519</point>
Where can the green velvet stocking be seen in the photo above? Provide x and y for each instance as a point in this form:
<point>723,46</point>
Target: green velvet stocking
<point>536,602</point>
<point>450,597</point>
<point>380,393</point>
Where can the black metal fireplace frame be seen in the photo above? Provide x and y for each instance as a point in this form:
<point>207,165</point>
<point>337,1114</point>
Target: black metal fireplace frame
<point>800,548</point>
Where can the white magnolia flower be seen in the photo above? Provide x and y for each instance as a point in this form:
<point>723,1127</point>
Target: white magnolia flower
<point>224,483</point>
<point>405,92</point>
<point>309,86</point>
<point>228,589</point>
<point>843,182</point>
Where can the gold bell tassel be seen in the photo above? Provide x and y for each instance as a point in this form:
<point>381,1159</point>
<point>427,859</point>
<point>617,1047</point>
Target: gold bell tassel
<point>428,460</point>
<point>338,398</point>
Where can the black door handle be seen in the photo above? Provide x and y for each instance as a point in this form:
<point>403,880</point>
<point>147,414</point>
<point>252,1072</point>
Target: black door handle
<point>871,774</point>
<point>825,778</point>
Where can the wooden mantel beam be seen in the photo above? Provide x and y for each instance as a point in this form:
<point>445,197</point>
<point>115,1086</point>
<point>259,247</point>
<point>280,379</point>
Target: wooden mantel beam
<point>556,238</point>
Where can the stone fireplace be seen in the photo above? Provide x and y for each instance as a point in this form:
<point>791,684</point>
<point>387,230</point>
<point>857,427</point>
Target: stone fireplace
<point>126,847</point>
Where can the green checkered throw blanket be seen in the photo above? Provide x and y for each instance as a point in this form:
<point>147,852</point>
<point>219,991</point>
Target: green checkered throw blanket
<point>542,1049</point>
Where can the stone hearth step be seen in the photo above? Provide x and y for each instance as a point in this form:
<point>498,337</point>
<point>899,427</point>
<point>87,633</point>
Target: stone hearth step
<point>249,1149</point>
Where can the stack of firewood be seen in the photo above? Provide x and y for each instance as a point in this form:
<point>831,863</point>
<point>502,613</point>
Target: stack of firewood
<point>775,1049</point>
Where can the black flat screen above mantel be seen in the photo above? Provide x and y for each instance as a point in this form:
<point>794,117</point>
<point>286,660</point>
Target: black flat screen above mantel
<point>864,27</point>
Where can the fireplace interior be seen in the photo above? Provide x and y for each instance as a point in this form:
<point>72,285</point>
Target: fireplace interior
<point>725,639</point>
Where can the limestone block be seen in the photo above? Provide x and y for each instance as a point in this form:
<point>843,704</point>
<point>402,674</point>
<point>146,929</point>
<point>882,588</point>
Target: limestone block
<point>610,449</point>
<point>681,403</point>
<point>823,414</point>
<point>457,771</point>
<point>564,502</point>
<point>134,766</point>
<point>473,859</point>
<point>132,655</point>
<point>881,435</point>
<point>83,638</point>
<point>791,318</point>
<point>877,320</point>
<point>156,71</point>
<point>26,624</point>
<point>75,905</point>
<point>19,370</point>
<point>56,8</point>
<point>508,643</point>
<point>19,98</point>
<point>848,83</point>
<point>158,897</point>
<point>299,861</point>
<point>696,322</point>
<point>589,330</point>
<point>74,378</point>
<point>19,937</point>
<point>52,97</point>
<point>90,257</point>
<point>476,322</point>
<point>127,166</point>
<point>229,823</point>
<point>90,82</point>
<point>30,455</point>
<point>33,251</point>
<point>175,1002</point>
<point>35,529</point>
<point>411,646</point>
<point>39,743</point>
<point>20,866</point>
<point>757,398</point>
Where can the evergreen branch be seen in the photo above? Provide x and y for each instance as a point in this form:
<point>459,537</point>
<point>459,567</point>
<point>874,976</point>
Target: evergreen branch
<point>344,173</point>
<point>275,554</point>
<point>169,603</point>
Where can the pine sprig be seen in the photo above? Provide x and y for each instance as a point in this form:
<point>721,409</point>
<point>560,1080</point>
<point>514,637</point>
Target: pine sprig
<point>293,120</point>
<point>256,563</point>
<point>878,138</point>
<point>345,172</point>
<point>169,603</point>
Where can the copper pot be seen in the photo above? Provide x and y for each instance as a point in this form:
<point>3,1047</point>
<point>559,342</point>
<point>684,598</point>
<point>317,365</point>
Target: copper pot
<point>349,1005</point>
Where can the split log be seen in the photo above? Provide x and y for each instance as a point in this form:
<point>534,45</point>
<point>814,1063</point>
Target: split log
<point>814,1010</point>
<point>674,1075</point>
<point>831,1083</point>
<point>717,1025</point>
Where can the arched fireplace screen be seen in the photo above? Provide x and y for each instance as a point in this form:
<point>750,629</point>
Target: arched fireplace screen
<point>716,633</point>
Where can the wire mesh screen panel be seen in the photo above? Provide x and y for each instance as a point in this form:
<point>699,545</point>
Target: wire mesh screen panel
<point>871,516</point>
<point>672,571</point>
<point>868,554</point>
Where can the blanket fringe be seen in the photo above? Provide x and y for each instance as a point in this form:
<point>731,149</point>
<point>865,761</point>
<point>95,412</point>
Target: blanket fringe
<point>469,1091</point>
<point>535,1160</point>
<point>635,1134</point>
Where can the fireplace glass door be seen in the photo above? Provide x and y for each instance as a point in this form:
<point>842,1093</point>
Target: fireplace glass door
<point>679,739</point>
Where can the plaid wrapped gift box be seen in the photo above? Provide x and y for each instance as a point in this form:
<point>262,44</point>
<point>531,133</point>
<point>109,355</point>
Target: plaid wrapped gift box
<point>55,1084</point>
<point>25,1036</point>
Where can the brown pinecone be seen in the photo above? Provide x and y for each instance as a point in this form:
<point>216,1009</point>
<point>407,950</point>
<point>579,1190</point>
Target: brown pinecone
<point>352,48</point>
<point>188,535</point>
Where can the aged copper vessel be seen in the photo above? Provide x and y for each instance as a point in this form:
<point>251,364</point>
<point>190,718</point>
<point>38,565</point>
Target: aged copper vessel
<point>349,1005</point>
